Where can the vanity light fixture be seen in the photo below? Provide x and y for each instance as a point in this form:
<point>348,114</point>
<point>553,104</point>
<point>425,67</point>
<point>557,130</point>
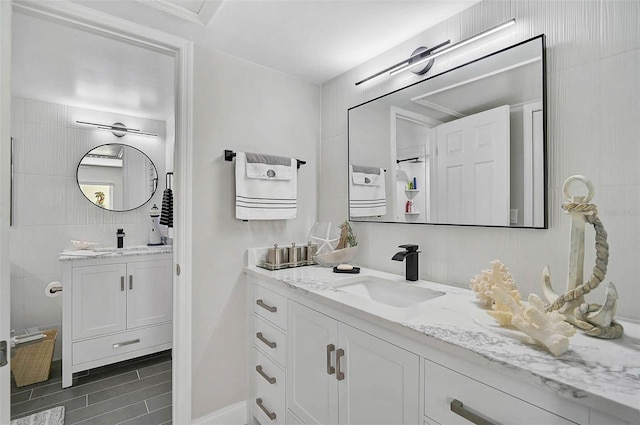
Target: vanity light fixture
<point>118,129</point>
<point>421,55</point>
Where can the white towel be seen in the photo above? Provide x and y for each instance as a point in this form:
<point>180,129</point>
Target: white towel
<point>266,190</point>
<point>367,196</point>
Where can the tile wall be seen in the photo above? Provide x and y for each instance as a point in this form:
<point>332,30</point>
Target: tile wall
<point>593,117</point>
<point>48,208</point>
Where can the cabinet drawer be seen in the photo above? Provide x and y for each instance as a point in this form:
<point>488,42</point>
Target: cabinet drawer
<point>269,384</point>
<point>270,305</point>
<point>124,342</point>
<point>270,340</point>
<point>444,386</point>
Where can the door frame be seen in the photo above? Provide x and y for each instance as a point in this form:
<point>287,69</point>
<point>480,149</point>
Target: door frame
<point>78,16</point>
<point>5,201</point>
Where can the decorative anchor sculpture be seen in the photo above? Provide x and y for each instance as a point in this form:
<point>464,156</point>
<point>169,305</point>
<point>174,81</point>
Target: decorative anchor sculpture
<point>596,320</point>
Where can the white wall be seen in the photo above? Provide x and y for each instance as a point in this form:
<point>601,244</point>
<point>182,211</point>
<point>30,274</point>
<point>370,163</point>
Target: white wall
<point>243,107</point>
<point>593,87</point>
<point>49,209</point>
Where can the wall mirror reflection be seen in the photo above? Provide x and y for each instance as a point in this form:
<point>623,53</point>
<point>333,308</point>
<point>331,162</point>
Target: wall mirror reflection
<point>464,147</point>
<point>117,177</point>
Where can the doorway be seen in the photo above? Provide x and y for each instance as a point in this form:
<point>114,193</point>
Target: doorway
<point>76,16</point>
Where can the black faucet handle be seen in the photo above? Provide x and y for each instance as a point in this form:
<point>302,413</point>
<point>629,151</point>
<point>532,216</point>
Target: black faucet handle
<point>409,247</point>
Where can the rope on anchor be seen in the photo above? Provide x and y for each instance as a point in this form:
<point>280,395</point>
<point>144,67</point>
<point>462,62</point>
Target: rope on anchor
<point>590,212</point>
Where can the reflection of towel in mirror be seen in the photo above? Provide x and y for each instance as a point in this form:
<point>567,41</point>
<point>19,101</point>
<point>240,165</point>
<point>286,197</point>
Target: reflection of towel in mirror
<point>266,187</point>
<point>367,196</point>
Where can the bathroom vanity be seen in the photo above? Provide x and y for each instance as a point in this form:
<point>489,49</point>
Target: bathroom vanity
<point>371,348</point>
<point>117,305</point>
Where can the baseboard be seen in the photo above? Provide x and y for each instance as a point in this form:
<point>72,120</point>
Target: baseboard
<point>235,414</point>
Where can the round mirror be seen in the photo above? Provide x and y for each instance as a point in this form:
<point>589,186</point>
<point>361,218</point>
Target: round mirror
<point>117,177</point>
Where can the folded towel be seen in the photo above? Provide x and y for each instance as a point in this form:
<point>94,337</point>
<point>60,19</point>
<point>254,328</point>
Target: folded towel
<point>268,167</point>
<point>367,196</point>
<point>266,190</point>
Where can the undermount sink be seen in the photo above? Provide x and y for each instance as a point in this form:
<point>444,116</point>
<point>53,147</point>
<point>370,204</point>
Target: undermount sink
<point>391,293</point>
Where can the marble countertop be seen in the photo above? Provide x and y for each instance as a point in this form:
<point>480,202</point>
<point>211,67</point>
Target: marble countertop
<point>604,374</point>
<point>79,254</point>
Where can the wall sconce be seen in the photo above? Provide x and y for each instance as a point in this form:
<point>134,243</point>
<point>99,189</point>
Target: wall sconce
<point>118,129</point>
<point>422,54</point>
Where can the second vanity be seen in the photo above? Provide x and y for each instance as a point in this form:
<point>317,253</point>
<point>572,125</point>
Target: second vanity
<point>117,305</point>
<point>333,348</point>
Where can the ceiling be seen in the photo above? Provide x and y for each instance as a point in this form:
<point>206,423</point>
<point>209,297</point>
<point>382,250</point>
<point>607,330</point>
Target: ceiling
<point>314,40</point>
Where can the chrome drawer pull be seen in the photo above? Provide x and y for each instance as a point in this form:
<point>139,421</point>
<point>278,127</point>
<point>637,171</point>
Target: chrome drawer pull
<point>330,369</point>
<point>122,344</point>
<point>130,281</point>
<point>271,415</point>
<point>264,375</point>
<point>122,283</point>
<point>339,355</point>
<point>266,341</point>
<point>458,408</point>
<point>266,307</point>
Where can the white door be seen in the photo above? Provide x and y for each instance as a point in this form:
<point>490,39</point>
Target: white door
<point>312,392</point>
<point>5,165</point>
<point>99,300</point>
<point>473,169</point>
<point>149,293</point>
<point>381,384</point>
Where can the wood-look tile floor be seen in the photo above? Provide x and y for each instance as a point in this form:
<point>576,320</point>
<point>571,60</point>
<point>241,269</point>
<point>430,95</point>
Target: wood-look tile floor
<point>136,391</point>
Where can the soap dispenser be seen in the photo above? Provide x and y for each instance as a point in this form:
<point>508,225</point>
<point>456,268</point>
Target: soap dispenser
<point>154,231</point>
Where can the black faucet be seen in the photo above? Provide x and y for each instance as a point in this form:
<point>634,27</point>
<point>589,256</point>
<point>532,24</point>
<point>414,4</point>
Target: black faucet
<point>410,254</point>
<point>120,236</point>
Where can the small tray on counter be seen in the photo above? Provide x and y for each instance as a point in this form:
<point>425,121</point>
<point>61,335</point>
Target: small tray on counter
<point>354,270</point>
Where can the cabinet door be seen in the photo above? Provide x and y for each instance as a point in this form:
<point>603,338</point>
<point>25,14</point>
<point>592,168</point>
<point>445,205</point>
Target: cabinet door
<point>149,293</point>
<point>312,393</point>
<point>99,300</point>
<point>381,381</point>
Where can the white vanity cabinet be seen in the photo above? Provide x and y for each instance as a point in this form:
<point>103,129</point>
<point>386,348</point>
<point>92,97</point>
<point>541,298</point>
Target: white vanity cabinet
<point>338,374</point>
<point>309,368</point>
<point>343,362</point>
<point>115,308</point>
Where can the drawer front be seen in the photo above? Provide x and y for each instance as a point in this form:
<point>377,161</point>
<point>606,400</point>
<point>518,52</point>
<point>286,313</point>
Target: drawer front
<point>269,385</point>
<point>271,306</point>
<point>125,342</point>
<point>445,388</point>
<point>271,340</point>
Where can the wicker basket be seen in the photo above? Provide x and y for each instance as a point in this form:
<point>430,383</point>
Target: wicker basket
<point>32,362</point>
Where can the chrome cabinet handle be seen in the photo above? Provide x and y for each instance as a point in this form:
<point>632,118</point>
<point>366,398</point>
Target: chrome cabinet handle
<point>130,281</point>
<point>271,415</point>
<point>122,344</point>
<point>266,341</point>
<point>122,283</point>
<point>266,307</point>
<point>264,375</point>
<point>330,369</point>
<point>339,355</point>
<point>457,407</point>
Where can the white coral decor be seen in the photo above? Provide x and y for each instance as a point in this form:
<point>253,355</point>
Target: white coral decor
<point>483,283</point>
<point>548,328</point>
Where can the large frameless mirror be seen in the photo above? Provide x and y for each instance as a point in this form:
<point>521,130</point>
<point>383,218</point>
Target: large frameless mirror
<point>117,177</point>
<point>464,147</point>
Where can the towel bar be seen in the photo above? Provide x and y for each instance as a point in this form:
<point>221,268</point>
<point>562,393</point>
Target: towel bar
<point>229,155</point>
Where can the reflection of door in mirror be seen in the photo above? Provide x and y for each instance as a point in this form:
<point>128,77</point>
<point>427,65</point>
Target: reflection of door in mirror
<point>473,169</point>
